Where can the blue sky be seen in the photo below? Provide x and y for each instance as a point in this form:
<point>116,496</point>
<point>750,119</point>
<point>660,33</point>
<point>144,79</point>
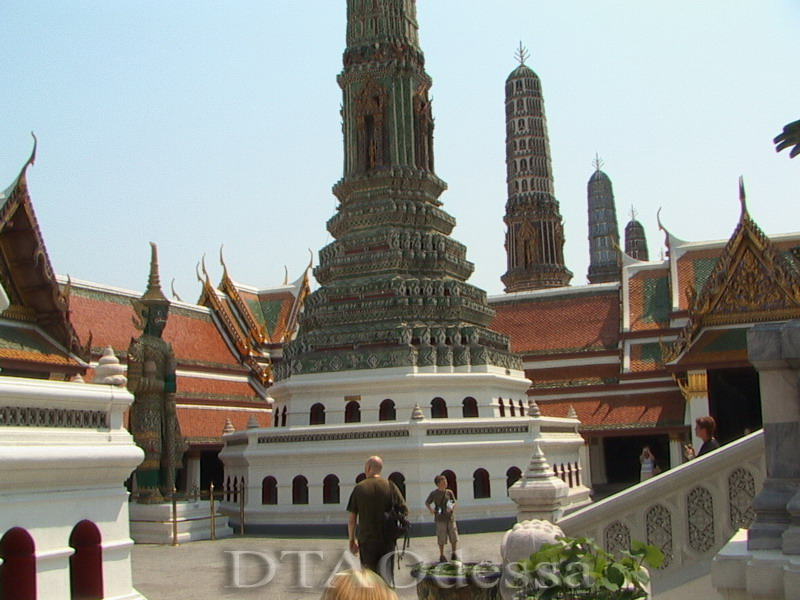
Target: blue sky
<point>197,124</point>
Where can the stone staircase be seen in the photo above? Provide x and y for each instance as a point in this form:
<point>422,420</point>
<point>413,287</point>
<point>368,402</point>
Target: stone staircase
<point>690,512</point>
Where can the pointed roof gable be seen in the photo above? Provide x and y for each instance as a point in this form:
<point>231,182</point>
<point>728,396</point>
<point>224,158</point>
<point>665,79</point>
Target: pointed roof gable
<point>216,301</point>
<point>27,275</point>
<point>751,281</point>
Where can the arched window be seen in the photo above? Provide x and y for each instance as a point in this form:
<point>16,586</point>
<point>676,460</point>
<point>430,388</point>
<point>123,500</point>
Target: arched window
<point>299,490</point>
<point>521,409</point>
<point>521,124</point>
<point>502,408</point>
<point>86,564</point>
<point>360,477</point>
<point>330,490</point>
<point>519,85</point>
<point>524,185</point>
<point>18,571</point>
<point>452,482</point>
<point>520,104</point>
<point>228,488</point>
<point>511,406</point>
<point>523,164</point>
<point>283,417</point>
<point>400,481</point>
<point>470,407</point>
<point>276,417</point>
<point>352,412</point>
<point>480,484</point>
<point>513,475</point>
<point>438,408</point>
<point>316,415</point>
<point>269,490</point>
<point>387,411</point>
<point>516,186</point>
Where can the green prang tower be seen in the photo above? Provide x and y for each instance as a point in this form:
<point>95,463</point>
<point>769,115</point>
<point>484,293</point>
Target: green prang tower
<point>393,283</point>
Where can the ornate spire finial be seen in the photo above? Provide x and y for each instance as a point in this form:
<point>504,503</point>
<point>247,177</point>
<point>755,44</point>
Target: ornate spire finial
<point>154,282</point>
<point>174,293</point>
<point>521,53</point>
<point>597,162</point>
<point>633,213</point>
<point>742,196</point>
<point>222,261</point>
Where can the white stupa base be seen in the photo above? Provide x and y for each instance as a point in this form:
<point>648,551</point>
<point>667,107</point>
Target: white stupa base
<point>152,523</point>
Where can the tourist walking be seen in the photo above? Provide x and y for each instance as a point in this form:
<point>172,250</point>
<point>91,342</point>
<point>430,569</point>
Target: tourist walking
<point>370,499</point>
<point>441,503</point>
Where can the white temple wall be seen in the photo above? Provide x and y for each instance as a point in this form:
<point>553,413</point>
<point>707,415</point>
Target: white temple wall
<point>64,458</point>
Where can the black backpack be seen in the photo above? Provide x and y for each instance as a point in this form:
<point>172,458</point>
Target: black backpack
<point>395,524</point>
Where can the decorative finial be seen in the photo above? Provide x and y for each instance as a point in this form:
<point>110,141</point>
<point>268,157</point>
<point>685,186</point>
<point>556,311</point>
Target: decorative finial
<point>521,54</point>
<point>417,414</point>
<point>742,195</point>
<point>597,162</point>
<point>108,370</point>
<point>222,261</point>
<point>154,292</point>
<point>571,414</point>
<point>285,275</point>
<point>533,408</point>
<point>633,213</point>
<point>205,271</point>
<point>252,422</point>
<point>174,293</point>
<point>229,428</point>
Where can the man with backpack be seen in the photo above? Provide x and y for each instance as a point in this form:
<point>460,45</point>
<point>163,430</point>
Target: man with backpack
<point>441,503</point>
<point>369,503</point>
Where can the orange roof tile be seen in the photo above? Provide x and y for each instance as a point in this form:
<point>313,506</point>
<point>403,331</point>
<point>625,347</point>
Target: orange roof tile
<point>664,409</point>
<point>207,423</point>
<point>560,323</point>
<point>108,318</point>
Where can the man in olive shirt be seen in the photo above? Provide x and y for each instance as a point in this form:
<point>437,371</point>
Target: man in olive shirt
<point>370,499</point>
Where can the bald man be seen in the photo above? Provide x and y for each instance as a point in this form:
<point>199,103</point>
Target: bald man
<point>370,499</point>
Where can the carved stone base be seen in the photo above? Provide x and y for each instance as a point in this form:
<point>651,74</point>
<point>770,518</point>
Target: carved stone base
<point>152,523</point>
<point>739,573</point>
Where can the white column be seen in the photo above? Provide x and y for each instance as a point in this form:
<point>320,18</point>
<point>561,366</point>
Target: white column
<point>192,472</point>
<point>597,460</point>
<point>676,457</point>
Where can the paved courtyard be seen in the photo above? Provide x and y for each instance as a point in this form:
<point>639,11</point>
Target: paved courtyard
<point>204,570</point>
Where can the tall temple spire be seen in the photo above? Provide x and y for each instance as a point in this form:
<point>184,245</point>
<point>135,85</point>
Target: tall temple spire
<point>535,232</point>
<point>393,289</point>
<point>635,240</point>
<point>604,257</point>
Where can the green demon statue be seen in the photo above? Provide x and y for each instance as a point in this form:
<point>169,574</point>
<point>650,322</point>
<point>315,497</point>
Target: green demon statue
<point>151,380</point>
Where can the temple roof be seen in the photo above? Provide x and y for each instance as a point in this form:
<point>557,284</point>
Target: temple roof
<point>568,319</point>
<point>27,277</point>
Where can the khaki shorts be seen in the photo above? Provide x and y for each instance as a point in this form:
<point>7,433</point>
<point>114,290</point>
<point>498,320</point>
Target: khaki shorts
<point>446,529</point>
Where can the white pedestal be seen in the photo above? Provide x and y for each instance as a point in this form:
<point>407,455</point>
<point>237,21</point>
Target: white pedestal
<point>152,523</point>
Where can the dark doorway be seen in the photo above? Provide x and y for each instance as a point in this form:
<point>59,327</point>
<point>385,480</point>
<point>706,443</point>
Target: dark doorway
<point>211,469</point>
<point>622,455</point>
<point>734,400</point>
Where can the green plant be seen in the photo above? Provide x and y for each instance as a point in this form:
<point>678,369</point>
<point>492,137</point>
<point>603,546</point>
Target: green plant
<point>577,568</point>
<point>483,572</point>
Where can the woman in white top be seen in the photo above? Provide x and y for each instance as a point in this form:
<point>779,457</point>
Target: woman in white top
<point>648,464</point>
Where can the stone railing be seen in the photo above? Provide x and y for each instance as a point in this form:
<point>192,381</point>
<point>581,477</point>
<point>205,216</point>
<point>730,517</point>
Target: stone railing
<point>689,512</point>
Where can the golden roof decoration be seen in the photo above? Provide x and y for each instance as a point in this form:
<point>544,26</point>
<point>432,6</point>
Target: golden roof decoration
<point>751,282</point>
